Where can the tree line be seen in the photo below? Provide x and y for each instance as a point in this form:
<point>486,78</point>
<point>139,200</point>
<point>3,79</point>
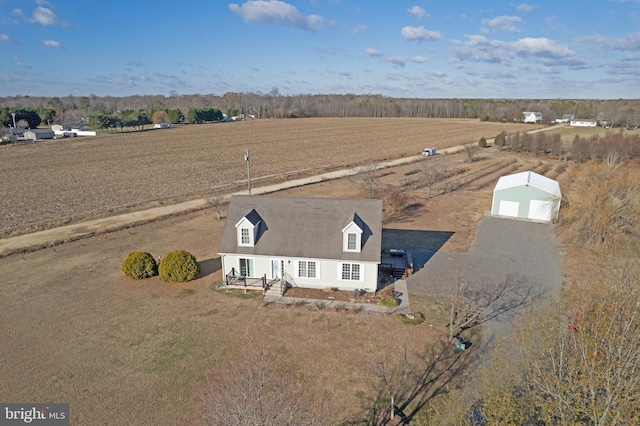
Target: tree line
<point>67,109</point>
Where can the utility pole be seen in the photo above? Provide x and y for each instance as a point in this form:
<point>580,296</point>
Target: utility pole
<point>246,158</point>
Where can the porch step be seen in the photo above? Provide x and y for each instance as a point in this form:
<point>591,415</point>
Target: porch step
<point>274,290</point>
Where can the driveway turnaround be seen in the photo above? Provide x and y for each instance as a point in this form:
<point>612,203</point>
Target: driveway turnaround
<point>502,247</point>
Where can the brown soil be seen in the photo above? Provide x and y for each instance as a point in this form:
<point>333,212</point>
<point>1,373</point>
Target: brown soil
<point>73,180</point>
<point>330,295</point>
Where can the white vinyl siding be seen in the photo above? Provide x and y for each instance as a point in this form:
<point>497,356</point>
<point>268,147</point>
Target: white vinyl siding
<point>307,269</point>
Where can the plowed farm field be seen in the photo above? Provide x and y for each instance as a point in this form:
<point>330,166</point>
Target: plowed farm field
<point>47,184</point>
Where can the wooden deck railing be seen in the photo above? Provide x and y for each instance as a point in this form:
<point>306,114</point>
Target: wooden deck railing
<point>233,279</point>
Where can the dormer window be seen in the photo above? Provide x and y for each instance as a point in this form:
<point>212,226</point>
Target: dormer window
<point>352,235</point>
<point>247,229</point>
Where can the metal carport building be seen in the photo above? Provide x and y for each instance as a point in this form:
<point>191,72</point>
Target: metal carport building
<point>527,195</point>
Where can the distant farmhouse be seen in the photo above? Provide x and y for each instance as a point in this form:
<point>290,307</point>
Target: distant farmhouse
<point>566,118</point>
<point>302,242</point>
<point>531,117</point>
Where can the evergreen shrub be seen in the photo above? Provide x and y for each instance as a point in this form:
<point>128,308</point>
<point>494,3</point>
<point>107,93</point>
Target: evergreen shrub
<point>178,266</point>
<point>139,265</point>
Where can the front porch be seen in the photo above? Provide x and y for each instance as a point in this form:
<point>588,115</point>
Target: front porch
<point>233,280</point>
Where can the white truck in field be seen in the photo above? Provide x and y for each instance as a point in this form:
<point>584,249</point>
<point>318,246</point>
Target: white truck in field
<point>427,152</point>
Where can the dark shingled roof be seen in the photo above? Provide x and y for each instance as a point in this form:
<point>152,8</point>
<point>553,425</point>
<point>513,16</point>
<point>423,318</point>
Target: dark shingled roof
<point>305,227</point>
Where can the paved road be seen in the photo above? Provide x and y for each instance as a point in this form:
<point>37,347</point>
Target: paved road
<point>502,246</point>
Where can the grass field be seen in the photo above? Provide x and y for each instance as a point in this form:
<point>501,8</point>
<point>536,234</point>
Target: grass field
<point>568,133</point>
<point>51,183</point>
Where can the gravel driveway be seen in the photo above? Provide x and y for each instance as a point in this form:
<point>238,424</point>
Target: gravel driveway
<point>501,247</point>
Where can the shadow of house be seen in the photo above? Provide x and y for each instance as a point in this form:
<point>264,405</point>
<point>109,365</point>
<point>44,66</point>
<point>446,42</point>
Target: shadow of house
<point>209,266</point>
<point>421,244</point>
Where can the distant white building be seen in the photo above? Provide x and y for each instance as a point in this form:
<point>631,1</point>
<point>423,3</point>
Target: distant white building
<point>565,118</point>
<point>583,123</point>
<point>531,117</point>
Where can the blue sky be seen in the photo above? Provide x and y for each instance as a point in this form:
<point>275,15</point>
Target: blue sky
<point>397,48</point>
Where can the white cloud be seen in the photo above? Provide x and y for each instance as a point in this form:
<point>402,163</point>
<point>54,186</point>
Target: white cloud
<point>54,44</point>
<point>479,48</point>
<point>542,46</point>
<point>400,61</point>
<point>630,42</point>
<point>359,29</point>
<point>4,37</point>
<point>547,52</point>
<point>275,12</point>
<point>502,23</point>
<point>524,7</point>
<point>420,33</point>
<point>18,12</point>
<point>18,61</point>
<point>418,12</point>
<point>373,52</point>
<point>44,16</point>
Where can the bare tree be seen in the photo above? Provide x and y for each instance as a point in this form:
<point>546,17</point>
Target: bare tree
<point>394,201</point>
<point>432,171</point>
<point>366,178</point>
<point>217,201</point>
<point>601,207</point>
<point>471,149</point>
<point>480,299</point>
<point>393,375</point>
<point>409,381</point>
<point>252,391</point>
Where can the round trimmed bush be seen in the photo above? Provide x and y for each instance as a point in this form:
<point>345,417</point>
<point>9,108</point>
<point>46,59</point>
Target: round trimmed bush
<point>139,265</point>
<point>179,266</point>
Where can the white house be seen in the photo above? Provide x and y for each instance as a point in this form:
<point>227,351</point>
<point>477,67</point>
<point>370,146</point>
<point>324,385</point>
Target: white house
<point>531,117</point>
<point>304,242</point>
<point>566,118</point>
<point>583,123</point>
<point>527,195</point>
